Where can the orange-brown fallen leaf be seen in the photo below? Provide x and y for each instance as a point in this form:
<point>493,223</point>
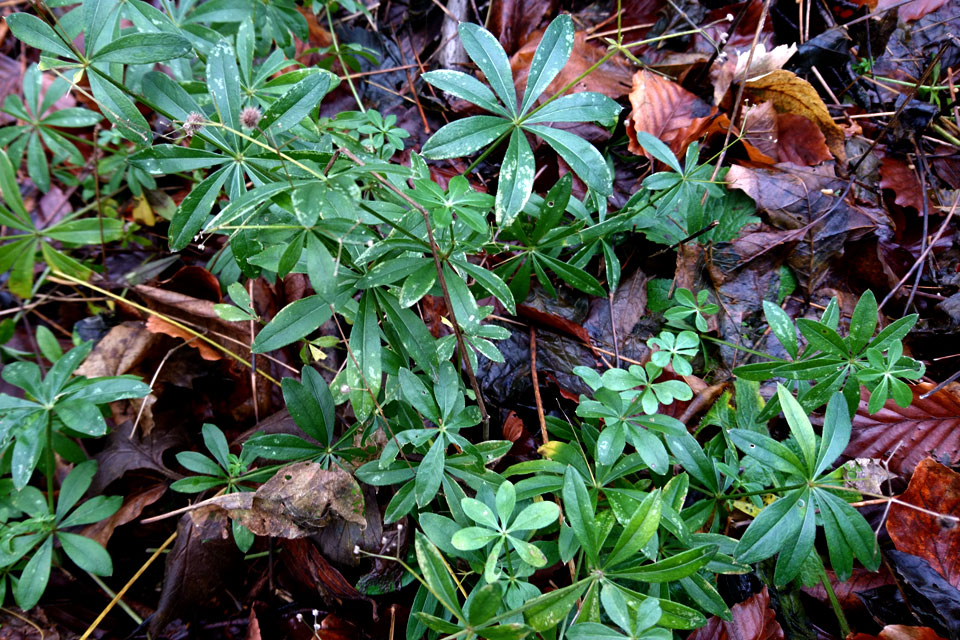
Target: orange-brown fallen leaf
<point>753,619</point>
<point>935,538</point>
<point>612,78</point>
<point>899,632</point>
<point>667,111</point>
<point>902,179</point>
<point>792,94</point>
<point>913,10</point>
<point>770,137</point>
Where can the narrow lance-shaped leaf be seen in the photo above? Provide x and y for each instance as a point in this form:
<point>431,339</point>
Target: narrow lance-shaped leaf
<point>551,55</point>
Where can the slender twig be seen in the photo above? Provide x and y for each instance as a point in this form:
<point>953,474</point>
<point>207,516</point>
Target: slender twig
<point>536,385</point>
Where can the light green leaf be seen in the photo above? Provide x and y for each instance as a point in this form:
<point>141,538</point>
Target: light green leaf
<point>582,157</point>
<point>551,55</point>
<point>464,136</point>
<point>466,87</point>
<point>485,50</point>
<point>143,48</point>
<point>293,322</point>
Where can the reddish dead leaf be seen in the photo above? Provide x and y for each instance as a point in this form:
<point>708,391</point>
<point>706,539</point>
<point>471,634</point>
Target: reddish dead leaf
<point>198,314</point>
<point>512,427</point>
<point>792,94</point>
<point>934,538</point>
<point>848,590</point>
<point>913,10</point>
<point>313,571</point>
<point>667,111</point>
<point>159,325</point>
<point>253,627</point>
<point>553,321</point>
<point>753,619</point>
<point>800,141</point>
<point>902,179</point>
<point>928,427</point>
<point>131,509</point>
<point>612,78</point>
<point>513,21</point>
<point>770,137</point>
<point>899,632</point>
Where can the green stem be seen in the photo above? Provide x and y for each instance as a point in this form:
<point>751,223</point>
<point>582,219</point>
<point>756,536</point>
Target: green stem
<point>834,602</point>
<point>346,70</point>
<point>760,492</point>
<point>51,464</point>
<point>741,348</point>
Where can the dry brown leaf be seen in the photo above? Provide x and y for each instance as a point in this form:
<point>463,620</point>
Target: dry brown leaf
<point>131,509</point>
<point>902,179</point>
<point>928,427</point>
<point>156,324</point>
<point>753,619</point>
<point>119,351</point>
<point>934,538</point>
<point>800,141</point>
<point>198,314</point>
<point>848,591</point>
<point>913,10</point>
<point>299,500</point>
<point>899,632</point>
<point>792,94</point>
<point>666,111</point>
<point>513,21</point>
<point>611,79</point>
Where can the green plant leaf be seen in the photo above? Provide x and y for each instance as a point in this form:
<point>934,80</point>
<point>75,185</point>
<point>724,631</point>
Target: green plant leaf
<point>661,152</point>
<point>168,158</point>
<point>34,578</point>
<point>516,178</point>
<point>119,109</point>
<point>588,106</point>
<point>863,322</point>
<point>297,103</point>
<point>576,278</point>
<point>768,451</point>
<point>466,87</point>
<point>797,547</point>
<point>822,337</point>
<point>536,516</point>
<point>781,326</point>
<point>580,514</point>
<point>292,323</point>
<point>471,538</point>
<point>462,137</point>
<point>770,531</point>
<point>638,531</point>
<point>835,435</point>
<point>143,48</point>
<point>673,568</point>
<point>551,55</point>
<point>546,611</point>
<point>194,209</point>
<point>485,50</point>
<point>88,554</point>
<point>436,573</point>
<point>430,473</point>
<point>34,32</point>
<point>582,157</point>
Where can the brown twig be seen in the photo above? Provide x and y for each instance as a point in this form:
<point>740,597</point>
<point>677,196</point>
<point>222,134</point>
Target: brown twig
<point>536,385</point>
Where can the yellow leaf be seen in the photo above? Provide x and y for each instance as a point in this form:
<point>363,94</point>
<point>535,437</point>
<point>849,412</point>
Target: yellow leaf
<point>791,94</point>
<point>143,212</point>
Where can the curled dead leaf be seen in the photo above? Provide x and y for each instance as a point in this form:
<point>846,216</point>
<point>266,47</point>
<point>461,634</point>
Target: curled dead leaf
<point>667,111</point>
<point>792,94</point>
<point>299,500</point>
<point>752,619</point>
<point>935,538</point>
